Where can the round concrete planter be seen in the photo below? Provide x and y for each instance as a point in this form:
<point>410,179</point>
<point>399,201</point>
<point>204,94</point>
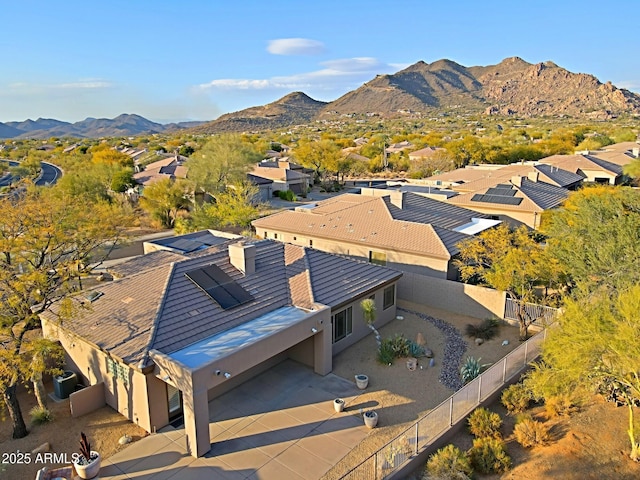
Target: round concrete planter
<point>362,381</point>
<point>338,405</point>
<point>370,419</point>
<point>90,470</point>
<point>412,363</point>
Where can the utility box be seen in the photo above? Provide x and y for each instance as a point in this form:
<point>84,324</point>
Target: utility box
<point>65,384</point>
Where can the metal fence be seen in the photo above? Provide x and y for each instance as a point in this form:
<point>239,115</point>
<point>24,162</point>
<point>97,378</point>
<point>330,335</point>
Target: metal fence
<point>541,314</point>
<point>438,421</point>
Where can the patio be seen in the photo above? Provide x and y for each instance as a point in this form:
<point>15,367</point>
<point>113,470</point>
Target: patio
<point>280,424</point>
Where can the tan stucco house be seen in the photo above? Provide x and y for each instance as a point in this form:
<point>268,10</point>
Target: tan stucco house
<point>403,230</point>
<point>177,330</point>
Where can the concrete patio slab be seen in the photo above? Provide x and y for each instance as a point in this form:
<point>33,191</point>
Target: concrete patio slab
<point>279,425</point>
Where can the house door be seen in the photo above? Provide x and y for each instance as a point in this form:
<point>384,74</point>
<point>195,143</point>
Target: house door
<point>174,397</point>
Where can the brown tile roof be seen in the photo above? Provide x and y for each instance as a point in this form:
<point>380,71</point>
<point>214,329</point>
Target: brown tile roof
<point>160,308</point>
<point>365,220</point>
<point>144,262</point>
<point>575,163</point>
<point>281,174</point>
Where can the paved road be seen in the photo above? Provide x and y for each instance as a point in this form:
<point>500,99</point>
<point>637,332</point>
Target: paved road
<point>8,178</point>
<point>50,174</point>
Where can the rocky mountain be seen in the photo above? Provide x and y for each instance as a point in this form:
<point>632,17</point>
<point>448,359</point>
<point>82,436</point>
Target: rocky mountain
<point>511,87</point>
<point>122,126</point>
<point>293,109</point>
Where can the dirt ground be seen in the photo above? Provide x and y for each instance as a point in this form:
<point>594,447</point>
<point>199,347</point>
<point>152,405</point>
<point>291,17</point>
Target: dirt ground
<point>103,428</point>
<point>401,396</point>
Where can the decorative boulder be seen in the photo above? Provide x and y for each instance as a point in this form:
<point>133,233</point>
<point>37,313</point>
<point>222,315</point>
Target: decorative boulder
<point>428,353</point>
<point>124,439</point>
<point>420,339</point>
<point>479,341</point>
<point>45,447</point>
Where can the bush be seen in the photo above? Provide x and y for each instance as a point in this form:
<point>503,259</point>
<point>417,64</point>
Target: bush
<point>516,398</point>
<point>471,369</point>
<point>416,350</point>
<point>449,463</point>
<point>560,405</point>
<point>40,415</point>
<point>529,432</point>
<point>385,354</point>
<point>484,423</point>
<point>400,345</point>
<point>287,195</point>
<point>487,329</point>
<point>488,455</point>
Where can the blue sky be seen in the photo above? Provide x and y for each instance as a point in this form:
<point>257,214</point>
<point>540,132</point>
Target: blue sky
<point>196,59</point>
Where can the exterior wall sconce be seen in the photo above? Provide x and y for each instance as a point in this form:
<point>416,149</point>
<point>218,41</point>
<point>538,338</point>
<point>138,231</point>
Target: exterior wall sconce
<point>227,375</point>
<point>314,330</point>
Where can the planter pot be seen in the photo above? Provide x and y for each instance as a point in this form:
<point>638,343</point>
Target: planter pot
<point>412,363</point>
<point>338,405</point>
<point>362,381</point>
<point>370,419</point>
<point>90,470</point>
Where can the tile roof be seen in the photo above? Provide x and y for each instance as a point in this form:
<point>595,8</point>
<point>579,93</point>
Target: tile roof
<point>160,308</point>
<point>575,163</point>
<point>373,221</point>
<point>144,262</point>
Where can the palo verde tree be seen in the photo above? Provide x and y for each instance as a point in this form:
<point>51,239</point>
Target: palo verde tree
<point>595,347</point>
<point>47,243</point>
<point>511,261</point>
<point>323,156</point>
<point>164,199</point>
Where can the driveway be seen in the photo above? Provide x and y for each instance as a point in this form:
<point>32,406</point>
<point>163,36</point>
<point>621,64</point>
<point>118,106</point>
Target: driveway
<point>279,425</point>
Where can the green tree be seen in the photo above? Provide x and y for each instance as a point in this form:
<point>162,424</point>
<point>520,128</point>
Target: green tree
<point>164,199</point>
<point>46,243</point>
<point>595,347</point>
<point>122,180</point>
<point>46,358</point>
<point>595,237</point>
<point>323,156</point>
<point>511,261</point>
<point>222,161</point>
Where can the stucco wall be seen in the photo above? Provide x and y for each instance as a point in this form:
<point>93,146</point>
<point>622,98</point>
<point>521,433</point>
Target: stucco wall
<point>406,262</point>
<point>471,300</point>
<point>129,397</point>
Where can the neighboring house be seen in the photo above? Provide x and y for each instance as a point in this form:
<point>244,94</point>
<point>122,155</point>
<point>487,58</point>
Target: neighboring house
<point>619,153</point>
<point>399,229</point>
<point>171,167</point>
<point>177,331</point>
<point>426,153</point>
<point>265,187</point>
<point>283,177</point>
<point>398,147</point>
<point>520,200</point>
<point>591,168</point>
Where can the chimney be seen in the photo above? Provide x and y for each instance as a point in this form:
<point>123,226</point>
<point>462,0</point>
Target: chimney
<point>516,180</point>
<point>635,152</point>
<point>397,198</point>
<point>533,176</point>
<point>243,257</point>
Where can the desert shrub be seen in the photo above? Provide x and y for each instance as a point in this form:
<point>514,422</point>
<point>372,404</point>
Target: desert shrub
<point>416,350</point>
<point>484,423</point>
<point>40,415</point>
<point>449,463</point>
<point>560,405</point>
<point>516,398</point>
<point>471,369</point>
<point>487,329</point>
<point>529,432</point>
<point>400,345</point>
<point>385,353</point>
<point>489,456</point>
<point>287,195</point>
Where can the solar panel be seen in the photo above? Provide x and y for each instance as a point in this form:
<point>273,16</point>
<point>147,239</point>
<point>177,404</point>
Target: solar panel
<point>219,286</point>
<point>499,199</point>
<point>507,192</point>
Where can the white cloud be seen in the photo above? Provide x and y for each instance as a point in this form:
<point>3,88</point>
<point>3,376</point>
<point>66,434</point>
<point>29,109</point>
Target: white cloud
<point>295,46</point>
<point>633,85</point>
<point>335,74</point>
<point>85,84</point>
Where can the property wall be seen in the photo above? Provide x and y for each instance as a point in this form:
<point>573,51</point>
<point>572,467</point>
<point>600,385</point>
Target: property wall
<point>406,262</point>
<point>87,400</point>
<point>471,300</point>
<point>127,395</point>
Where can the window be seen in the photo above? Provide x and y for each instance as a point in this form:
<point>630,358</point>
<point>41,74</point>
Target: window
<point>311,243</point>
<point>379,258</point>
<point>295,238</point>
<point>118,371</point>
<point>342,325</point>
<point>275,235</point>
<point>389,297</point>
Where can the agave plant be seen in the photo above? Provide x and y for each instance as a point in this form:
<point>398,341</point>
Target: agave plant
<point>471,369</point>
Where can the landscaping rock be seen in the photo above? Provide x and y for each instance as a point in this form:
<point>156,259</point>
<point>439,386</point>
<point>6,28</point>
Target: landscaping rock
<point>428,353</point>
<point>45,447</point>
<point>454,349</point>
<point>124,440</point>
<point>420,339</point>
<point>479,341</point>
